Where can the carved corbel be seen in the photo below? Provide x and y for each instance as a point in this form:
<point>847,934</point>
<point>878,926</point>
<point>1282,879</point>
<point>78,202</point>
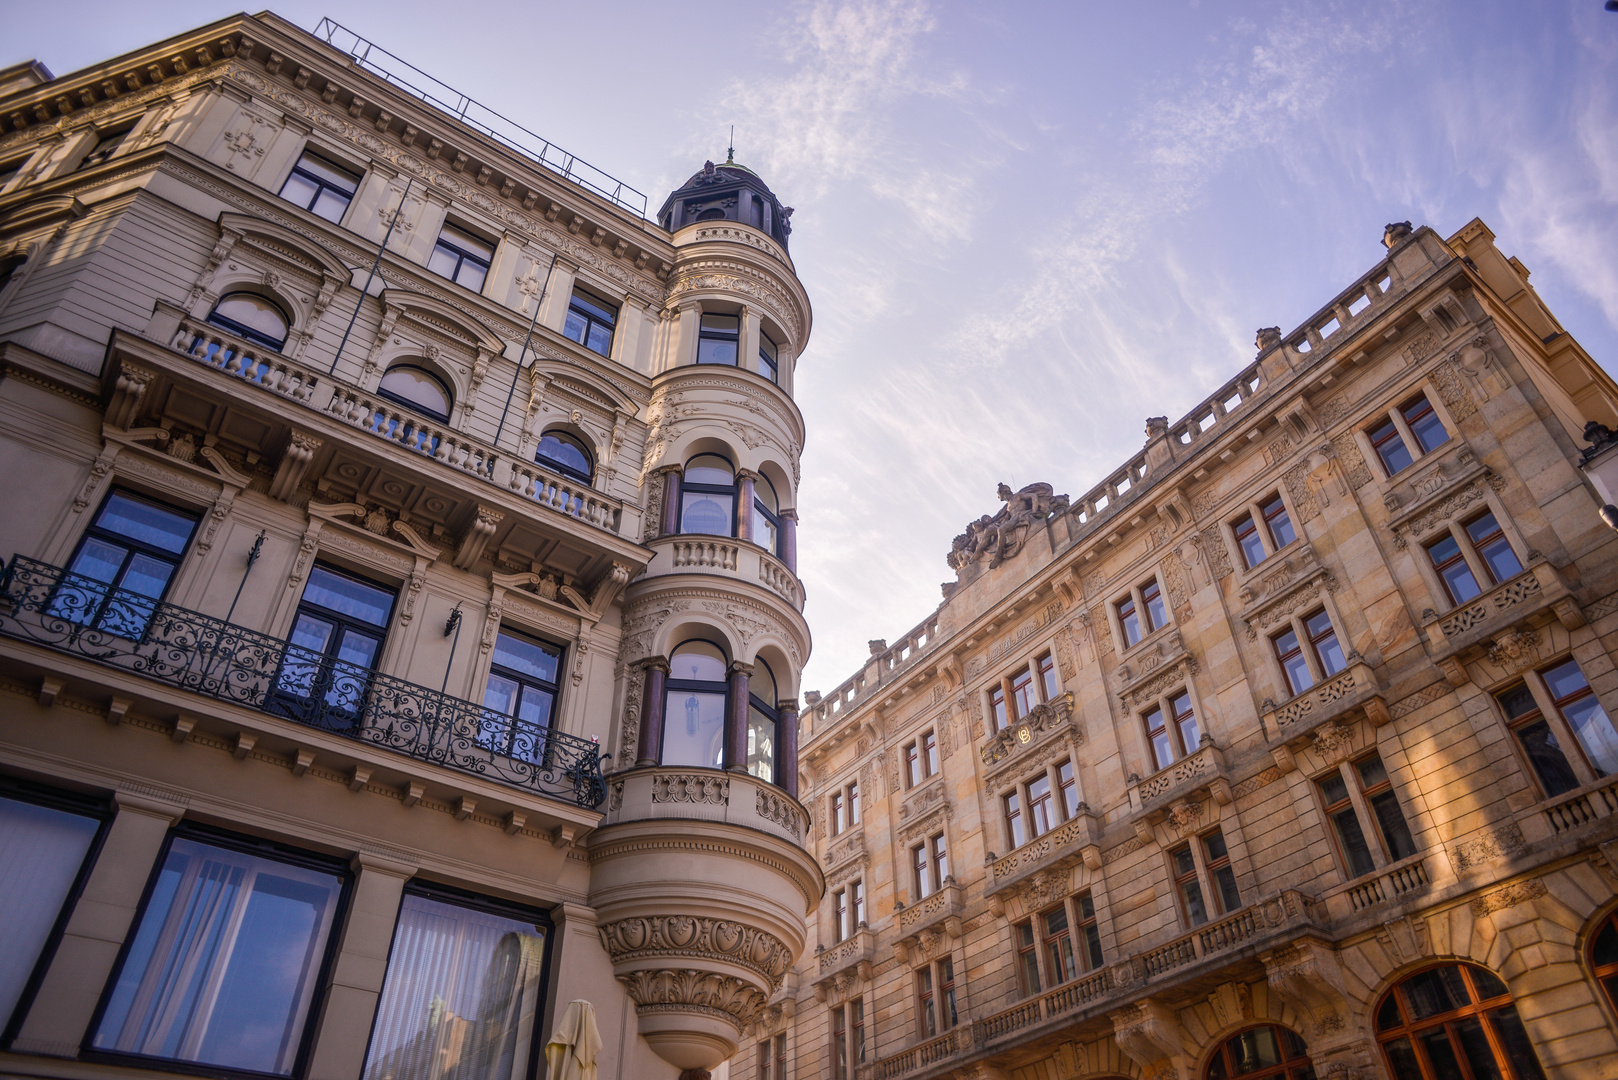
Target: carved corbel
<point>329,284</point>
<point>477,537</point>
<point>1149,1032</point>
<point>390,319</point>
<point>128,390</point>
<point>1307,975</point>
<point>295,461</point>
<point>480,368</point>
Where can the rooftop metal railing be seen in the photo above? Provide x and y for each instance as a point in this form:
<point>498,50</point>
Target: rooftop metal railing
<point>416,82</point>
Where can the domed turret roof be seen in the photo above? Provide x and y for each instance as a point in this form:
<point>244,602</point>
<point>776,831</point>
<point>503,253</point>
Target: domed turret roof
<point>727,192</point>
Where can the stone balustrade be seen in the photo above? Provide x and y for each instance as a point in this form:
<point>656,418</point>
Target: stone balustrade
<point>380,417</point>
<point>1532,598</point>
<point>1192,773</point>
<point>719,555</point>
<point>735,798</point>
<point>1077,838</point>
<point>251,363</point>
<point>566,496</point>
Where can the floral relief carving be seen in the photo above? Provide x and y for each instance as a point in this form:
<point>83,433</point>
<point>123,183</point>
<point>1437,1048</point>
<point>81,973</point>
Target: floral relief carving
<point>779,809</point>
<point>1518,892</point>
<point>1501,843</point>
<point>1459,402</point>
<point>691,788</point>
<point>1296,481</point>
<point>689,990</point>
<point>681,937</point>
<point>629,727</point>
<point>1355,470</point>
<point>1421,347</point>
<point>1212,543</point>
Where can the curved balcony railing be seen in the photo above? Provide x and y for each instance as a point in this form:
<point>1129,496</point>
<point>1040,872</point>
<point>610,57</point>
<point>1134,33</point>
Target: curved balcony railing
<point>725,557</point>
<point>69,613</point>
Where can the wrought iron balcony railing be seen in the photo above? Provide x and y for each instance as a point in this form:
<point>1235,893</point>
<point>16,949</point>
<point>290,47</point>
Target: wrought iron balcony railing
<point>73,614</point>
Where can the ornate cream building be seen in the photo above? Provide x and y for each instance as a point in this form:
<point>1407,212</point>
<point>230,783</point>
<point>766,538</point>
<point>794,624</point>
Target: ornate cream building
<point>400,630</point>
<point>1284,751</point>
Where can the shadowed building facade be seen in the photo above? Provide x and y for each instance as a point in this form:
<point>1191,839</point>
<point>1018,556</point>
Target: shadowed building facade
<point>1285,751</point>
<point>400,629</point>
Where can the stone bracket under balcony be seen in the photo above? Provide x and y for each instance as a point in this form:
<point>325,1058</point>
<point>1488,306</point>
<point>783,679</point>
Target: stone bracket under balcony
<point>1487,623</point>
<point>853,957</point>
<point>1300,716</point>
<point>939,913</point>
<point>1182,784</point>
<point>1076,839</point>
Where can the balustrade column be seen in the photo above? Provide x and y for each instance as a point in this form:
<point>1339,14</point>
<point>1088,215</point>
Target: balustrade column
<point>673,479</point>
<point>736,718</point>
<point>654,687</point>
<point>789,539</point>
<point>744,504</point>
<point>786,746</point>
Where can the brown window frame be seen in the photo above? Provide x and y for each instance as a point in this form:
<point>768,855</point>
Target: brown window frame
<point>1400,1025</point>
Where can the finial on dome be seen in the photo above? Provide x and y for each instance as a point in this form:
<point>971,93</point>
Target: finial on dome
<point>730,151</point>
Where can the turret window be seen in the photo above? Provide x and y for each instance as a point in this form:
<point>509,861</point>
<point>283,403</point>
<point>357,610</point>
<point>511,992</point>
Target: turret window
<point>718,340</point>
<point>762,719</point>
<point>590,322</point>
<point>708,496</point>
<point>768,359</point>
<point>766,516</point>
<point>694,715</point>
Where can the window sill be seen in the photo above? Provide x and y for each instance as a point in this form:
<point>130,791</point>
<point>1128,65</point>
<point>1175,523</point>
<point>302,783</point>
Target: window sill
<point>1305,714</point>
<point>1474,630</point>
<point>1280,557</point>
<point>941,907</point>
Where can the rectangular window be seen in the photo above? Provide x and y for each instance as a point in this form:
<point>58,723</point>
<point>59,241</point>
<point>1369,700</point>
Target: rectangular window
<point>1248,542</point>
<point>320,187</point>
<point>479,964</point>
<point>766,1060</point>
<point>1041,816</point>
<point>839,1043</point>
<point>1290,653</point>
<point>519,697</point>
<point>1157,735</point>
<point>854,804</point>
<point>1389,445</point>
<point>912,765</point>
<point>44,842</point>
<point>1014,825</point>
<point>1220,872</point>
<point>590,322</point>
<point>1089,934</point>
<point>856,892</point>
<point>1424,424</point>
<point>106,146</point>
<point>1324,641</point>
<point>225,961</point>
<point>1129,621</point>
<point>718,339</point>
<point>1280,526</point>
<point>856,1038</point>
<point>1070,789</point>
<point>929,753</point>
<point>1022,694</point>
<point>1345,825</point>
<point>1493,548</point>
<point>834,815</point>
<point>923,871</point>
<point>997,708</point>
<point>940,858</point>
<point>336,636</point>
<point>1450,562</point>
<point>1027,959</point>
<point>1060,960</point>
<point>840,926</point>
<point>1047,676</point>
<point>124,565</point>
<point>1157,616</point>
<point>768,359</point>
<point>927,1009</point>
<point>1538,741</point>
<point>1186,884</point>
<point>461,257</point>
<point>1185,723</point>
<point>1384,807</point>
<point>946,993</point>
<point>1584,715</point>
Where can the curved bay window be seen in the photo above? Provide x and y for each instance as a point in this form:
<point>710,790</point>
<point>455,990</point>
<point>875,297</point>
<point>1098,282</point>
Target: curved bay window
<point>766,516</point>
<point>769,358</point>
<point>708,496</point>
<point>719,339</point>
<point>251,316</point>
<point>1260,1053</point>
<point>417,388</point>
<point>694,709</point>
<point>562,453</point>
<point>1454,1020</point>
<point>761,721</point>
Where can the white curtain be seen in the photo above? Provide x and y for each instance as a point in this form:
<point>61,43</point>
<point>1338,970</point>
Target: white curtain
<point>460,998</point>
<point>41,850</point>
<point>223,967</point>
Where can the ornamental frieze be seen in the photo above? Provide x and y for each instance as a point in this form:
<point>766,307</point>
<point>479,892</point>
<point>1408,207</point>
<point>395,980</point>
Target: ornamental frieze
<point>682,938</point>
<point>688,990</point>
<point>1041,721</point>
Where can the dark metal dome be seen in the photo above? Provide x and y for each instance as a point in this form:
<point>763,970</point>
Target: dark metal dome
<point>727,192</point>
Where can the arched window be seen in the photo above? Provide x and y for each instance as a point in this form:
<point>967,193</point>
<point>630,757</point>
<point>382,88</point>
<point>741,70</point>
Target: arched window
<point>1604,957</point>
<point>694,708</point>
<point>418,389</point>
<point>761,720</point>
<point>766,516</point>
<point>561,452</point>
<point>708,496</point>
<point>1436,1019</point>
<point>254,317</point>
<point>1259,1053</point>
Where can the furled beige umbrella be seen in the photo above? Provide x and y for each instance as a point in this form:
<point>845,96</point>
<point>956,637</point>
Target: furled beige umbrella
<point>571,1053</point>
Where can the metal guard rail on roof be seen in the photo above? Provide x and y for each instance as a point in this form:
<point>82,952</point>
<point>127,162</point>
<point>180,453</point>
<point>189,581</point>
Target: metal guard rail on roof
<point>73,614</point>
<point>385,65</point>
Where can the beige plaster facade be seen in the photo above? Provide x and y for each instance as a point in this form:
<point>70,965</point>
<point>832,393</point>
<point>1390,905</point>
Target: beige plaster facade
<point>139,200</point>
<point>1251,877</point>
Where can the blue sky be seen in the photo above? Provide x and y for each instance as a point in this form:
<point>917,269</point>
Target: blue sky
<point>1027,227</point>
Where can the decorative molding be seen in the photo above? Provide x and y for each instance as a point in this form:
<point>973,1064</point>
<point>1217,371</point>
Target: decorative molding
<point>708,788</point>
<point>686,990</point>
<point>1509,896</point>
<point>680,938</point>
<point>1504,842</point>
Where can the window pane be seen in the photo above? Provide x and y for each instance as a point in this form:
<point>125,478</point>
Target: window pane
<point>563,454</point>
<point>1502,561</point>
<point>1545,755</point>
<point>255,313</point>
<point>162,528</point>
<point>1439,990</point>
<point>1196,912</point>
<point>1402,1057</point>
<point>1355,849</point>
<point>1425,425</point>
<point>328,173</point>
<point>600,339</point>
<point>1459,581</point>
<point>1514,1041</point>
<point>443,261</point>
<point>596,310</point>
<point>1595,732</point>
<point>467,242</point>
<point>760,745</point>
<point>1475,1047</point>
<point>1255,1050</point>
<point>222,968</point>
<point>472,275</point>
<point>694,729</point>
<point>330,205</point>
<point>460,997</point>
<point>704,513</point>
<point>501,694</point>
<point>346,596</point>
<point>299,190</point>
<point>526,657</point>
<point>41,851</point>
<point>709,469</point>
<point>716,351</point>
<point>1440,1054</point>
<point>1391,820</point>
<point>1390,447</point>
